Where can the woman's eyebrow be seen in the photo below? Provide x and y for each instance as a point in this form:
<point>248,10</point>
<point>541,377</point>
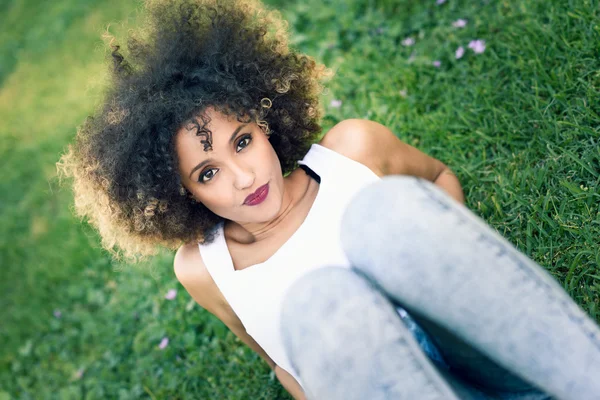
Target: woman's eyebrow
<point>203,163</point>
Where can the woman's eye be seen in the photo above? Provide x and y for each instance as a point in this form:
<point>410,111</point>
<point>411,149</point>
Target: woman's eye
<point>243,139</point>
<point>207,174</point>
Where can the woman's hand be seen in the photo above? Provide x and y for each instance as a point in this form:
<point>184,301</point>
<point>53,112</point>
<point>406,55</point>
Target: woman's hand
<point>449,182</point>
<point>289,383</point>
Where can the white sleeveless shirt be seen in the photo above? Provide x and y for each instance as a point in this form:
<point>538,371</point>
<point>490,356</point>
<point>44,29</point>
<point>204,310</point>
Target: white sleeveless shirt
<point>256,293</point>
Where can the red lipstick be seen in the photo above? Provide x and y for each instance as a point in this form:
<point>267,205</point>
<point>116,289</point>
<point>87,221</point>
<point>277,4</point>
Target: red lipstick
<point>257,197</point>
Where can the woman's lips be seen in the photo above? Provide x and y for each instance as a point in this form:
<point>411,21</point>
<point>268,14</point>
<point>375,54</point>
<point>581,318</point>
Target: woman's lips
<point>257,197</point>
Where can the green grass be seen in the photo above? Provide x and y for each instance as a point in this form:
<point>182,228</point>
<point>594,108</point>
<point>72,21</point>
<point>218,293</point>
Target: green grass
<point>519,124</point>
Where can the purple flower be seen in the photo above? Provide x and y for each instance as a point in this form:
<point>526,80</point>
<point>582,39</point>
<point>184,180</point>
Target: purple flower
<point>459,52</point>
<point>408,41</point>
<point>163,343</point>
<point>335,103</point>
<point>436,63</point>
<point>171,294</point>
<point>478,46</point>
<point>459,23</point>
<point>438,2</point>
<point>57,314</point>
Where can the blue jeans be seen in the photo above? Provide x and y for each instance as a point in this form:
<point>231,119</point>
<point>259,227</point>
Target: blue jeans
<point>502,326</point>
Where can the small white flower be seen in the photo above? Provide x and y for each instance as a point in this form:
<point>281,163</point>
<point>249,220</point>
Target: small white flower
<point>335,103</point>
<point>408,41</point>
<point>163,343</point>
<point>459,23</point>
<point>478,46</point>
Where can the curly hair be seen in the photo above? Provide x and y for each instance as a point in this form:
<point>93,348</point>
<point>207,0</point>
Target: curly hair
<point>188,55</point>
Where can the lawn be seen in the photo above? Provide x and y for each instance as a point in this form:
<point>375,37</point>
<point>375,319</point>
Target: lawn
<point>515,114</point>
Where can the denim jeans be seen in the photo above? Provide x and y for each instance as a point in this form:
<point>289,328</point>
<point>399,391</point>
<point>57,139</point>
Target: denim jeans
<point>502,326</point>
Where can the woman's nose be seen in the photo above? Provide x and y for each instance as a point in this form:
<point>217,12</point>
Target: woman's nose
<point>244,176</point>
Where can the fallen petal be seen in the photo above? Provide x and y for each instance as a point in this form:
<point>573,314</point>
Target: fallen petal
<point>408,41</point>
<point>171,294</point>
<point>459,23</point>
<point>163,343</point>
<point>479,46</point>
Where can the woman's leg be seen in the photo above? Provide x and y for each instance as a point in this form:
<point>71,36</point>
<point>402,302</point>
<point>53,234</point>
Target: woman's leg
<point>444,264</point>
<point>346,341</point>
<point>475,367</point>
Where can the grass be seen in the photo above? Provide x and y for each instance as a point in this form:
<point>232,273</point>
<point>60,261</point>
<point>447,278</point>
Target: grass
<point>519,124</point>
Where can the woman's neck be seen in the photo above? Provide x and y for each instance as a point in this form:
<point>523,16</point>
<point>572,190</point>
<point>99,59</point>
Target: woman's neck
<point>297,184</point>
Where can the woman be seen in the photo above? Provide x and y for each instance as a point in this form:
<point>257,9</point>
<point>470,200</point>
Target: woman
<point>208,142</point>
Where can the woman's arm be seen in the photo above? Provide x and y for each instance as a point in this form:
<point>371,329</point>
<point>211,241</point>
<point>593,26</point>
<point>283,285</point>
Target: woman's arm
<point>195,278</point>
<point>285,378</point>
<point>375,146</point>
<point>289,383</point>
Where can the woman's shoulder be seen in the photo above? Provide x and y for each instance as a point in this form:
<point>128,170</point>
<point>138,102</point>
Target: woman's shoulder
<point>189,267</point>
<point>193,275</point>
<point>186,253</point>
<point>352,139</point>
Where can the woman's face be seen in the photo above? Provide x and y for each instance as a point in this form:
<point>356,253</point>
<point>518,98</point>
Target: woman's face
<point>222,169</point>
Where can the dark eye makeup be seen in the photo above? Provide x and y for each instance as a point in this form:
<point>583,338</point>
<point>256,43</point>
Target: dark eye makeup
<point>205,173</point>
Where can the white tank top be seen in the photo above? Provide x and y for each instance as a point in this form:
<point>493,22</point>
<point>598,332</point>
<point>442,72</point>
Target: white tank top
<point>256,293</point>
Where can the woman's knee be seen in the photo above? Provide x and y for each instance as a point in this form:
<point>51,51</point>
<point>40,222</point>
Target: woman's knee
<point>320,293</point>
<point>395,211</point>
<point>318,306</point>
